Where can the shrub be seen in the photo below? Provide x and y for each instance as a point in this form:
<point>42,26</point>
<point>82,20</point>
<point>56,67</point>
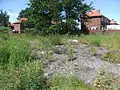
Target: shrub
<point>4,29</point>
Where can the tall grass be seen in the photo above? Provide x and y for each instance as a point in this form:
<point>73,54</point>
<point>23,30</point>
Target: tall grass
<point>17,70</point>
<point>67,83</point>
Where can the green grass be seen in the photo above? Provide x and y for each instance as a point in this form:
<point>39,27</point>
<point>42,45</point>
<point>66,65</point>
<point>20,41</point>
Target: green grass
<point>18,71</point>
<point>113,56</point>
<point>67,83</point>
<point>110,41</point>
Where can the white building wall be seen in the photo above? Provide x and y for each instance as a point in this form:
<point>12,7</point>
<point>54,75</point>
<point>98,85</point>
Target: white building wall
<point>113,27</point>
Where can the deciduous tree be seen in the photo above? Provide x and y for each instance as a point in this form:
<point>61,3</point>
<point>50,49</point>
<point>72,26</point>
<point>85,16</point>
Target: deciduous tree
<point>4,18</point>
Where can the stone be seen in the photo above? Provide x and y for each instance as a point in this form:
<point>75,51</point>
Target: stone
<point>60,49</point>
<point>85,67</point>
<point>73,42</point>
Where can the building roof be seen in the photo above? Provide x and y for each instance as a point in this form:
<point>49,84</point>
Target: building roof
<point>24,19</point>
<point>94,13</point>
<point>18,21</point>
<point>113,22</point>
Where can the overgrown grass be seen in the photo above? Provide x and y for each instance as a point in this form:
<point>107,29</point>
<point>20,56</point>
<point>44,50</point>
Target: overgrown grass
<point>28,77</point>
<point>110,41</point>
<point>19,72</point>
<point>67,83</point>
<point>113,56</point>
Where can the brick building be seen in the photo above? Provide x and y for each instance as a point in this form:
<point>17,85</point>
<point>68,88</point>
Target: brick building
<point>18,25</point>
<point>96,20</point>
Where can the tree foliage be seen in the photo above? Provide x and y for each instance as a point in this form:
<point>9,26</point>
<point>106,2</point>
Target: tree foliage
<point>56,16</point>
<point>24,13</point>
<point>4,18</point>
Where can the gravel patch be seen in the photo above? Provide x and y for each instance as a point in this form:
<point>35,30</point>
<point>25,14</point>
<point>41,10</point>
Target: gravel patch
<point>85,66</point>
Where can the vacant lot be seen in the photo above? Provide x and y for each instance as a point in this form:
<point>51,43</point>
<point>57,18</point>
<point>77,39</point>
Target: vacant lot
<point>26,62</point>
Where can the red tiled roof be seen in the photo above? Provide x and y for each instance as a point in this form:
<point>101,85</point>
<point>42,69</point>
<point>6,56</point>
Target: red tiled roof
<point>94,13</point>
<point>24,19</point>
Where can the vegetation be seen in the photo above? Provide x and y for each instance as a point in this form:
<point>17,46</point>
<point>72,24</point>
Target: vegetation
<point>113,56</point>
<point>56,16</point>
<point>67,83</point>
<point>24,13</point>
<point>105,81</point>
<point>4,18</point>
<point>18,70</point>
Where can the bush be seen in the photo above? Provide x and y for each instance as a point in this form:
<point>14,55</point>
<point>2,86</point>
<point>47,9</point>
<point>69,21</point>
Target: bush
<point>4,29</point>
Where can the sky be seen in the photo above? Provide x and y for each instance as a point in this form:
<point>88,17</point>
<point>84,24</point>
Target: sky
<point>109,8</point>
<point>13,7</point>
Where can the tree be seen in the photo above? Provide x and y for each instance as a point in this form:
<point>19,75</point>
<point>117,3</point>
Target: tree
<point>24,13</point>
<point>44,12</point>
<point>4,18</point>
<point>75,12</point>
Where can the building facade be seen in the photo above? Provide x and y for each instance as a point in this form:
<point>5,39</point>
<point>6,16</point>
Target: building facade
<point>97,21</point>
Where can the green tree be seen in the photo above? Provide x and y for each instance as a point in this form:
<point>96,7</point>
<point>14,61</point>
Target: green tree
<point>67,14</point>
<point>4,18</point>
<point>24,13</point>
<point>75,12</point>
<point>43,12</point>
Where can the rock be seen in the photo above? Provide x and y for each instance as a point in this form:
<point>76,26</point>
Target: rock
<point>76,64</point>
<point>73,42</point>
<point>85,66</point>
<point>72,59</point>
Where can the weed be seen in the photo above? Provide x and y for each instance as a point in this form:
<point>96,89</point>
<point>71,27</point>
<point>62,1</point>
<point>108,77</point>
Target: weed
<point>113,56</point>
<point>28,77</point>
<point>55,40</point>
<point>67,83</point>
<point>70,51</point>
<point>93,51</point>
<point>104,81</point>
